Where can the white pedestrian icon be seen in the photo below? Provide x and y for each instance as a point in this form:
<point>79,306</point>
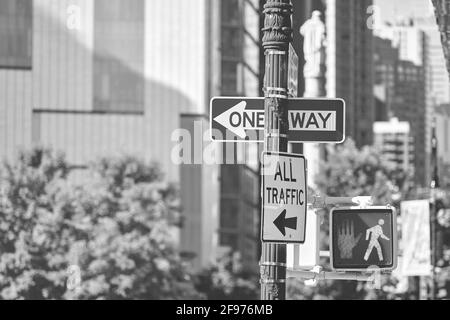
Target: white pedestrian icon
<point>374,233</point>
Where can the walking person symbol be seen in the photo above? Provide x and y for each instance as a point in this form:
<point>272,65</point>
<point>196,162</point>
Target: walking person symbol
<point>374,234</point>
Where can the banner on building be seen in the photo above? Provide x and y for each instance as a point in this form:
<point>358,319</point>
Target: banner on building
<point>415,242</point>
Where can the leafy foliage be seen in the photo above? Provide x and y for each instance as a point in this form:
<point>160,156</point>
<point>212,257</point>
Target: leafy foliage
<point>350,172</point>
<point>117,228</point>
<point>227,280</point>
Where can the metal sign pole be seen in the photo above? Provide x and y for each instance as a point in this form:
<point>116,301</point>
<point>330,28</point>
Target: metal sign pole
<point>276,38</point>
<point>433,221</point>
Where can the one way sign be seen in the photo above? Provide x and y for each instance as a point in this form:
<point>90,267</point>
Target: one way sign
<point>310,120</point>
<point>284,198</point>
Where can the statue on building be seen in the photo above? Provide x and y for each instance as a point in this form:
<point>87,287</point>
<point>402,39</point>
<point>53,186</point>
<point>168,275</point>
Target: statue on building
<point>313,32</point>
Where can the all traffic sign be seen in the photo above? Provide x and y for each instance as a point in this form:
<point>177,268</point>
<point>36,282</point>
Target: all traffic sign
<point>284,194</point>
<point>310,120</point>
<point>363,238</point>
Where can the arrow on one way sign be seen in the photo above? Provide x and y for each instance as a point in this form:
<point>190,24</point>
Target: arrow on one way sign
<point>237,119</point>
<point>282,223</point>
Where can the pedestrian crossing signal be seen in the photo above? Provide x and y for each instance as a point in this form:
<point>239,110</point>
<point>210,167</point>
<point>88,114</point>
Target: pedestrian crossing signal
<point>363,239</point>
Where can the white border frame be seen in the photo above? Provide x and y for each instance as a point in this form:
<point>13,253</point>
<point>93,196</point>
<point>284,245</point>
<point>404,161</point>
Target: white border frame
<point>344,137</point>
<point>287,155</point>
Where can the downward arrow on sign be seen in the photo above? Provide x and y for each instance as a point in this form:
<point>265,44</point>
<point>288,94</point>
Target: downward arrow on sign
<point>282,223</point>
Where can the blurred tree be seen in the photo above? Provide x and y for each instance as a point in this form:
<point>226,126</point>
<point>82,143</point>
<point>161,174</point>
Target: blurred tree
<point>227,280</point>
<point>116,229</point>
<point>349,172</point>
<point>32,225</point>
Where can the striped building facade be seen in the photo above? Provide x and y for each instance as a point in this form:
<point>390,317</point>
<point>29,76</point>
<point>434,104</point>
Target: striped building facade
<point>108,77</point>
<point>104,77</point>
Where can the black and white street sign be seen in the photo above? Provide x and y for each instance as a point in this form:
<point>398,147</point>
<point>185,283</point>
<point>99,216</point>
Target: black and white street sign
<point>310,120</point>
<point>363,239</point>
<point>316,120</point>
<point>237,119</point>
<point>284,194</point>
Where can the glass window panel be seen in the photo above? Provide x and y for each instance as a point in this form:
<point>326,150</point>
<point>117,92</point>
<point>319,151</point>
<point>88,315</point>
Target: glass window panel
<point>16,33</point>
<point>229,214</point>
<point>228,240</point>
<point>119,54</point>
<point>231,42</point>
<point>231,11</point>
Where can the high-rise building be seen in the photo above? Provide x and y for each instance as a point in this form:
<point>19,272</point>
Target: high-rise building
<point>238,55</point>
<point>200,195</point>
<point>410,22</point>
<point>350,73</point>
<point>440,80</point>
<point>442,116</point>
<point>103,78</point>
<point>385,62</point>
<point>410,106</point>
<point>392,11</point>
<point>241,74</point>
<point>393,139</point>
<point>412,98</point>
<point>442,13</point>
<point>97,78</point>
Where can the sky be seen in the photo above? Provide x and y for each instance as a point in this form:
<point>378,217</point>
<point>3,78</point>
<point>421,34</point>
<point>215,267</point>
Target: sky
<point>406,8</point>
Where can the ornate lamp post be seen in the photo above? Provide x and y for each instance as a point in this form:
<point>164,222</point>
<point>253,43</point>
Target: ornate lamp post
<point>276,38</point>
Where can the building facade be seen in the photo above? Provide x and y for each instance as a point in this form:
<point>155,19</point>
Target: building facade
<point>442,13</point>
<point>442,116</point>
<point>411,84</point>
<point>413,30</point>
<point>350,75</point>
<point>238,40</point>
<point>386,57</point>
<point>440,80</point>
<point>103,78</point>
<point>394,140</point>
<point>90,77</point>
<point>410,106</point>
